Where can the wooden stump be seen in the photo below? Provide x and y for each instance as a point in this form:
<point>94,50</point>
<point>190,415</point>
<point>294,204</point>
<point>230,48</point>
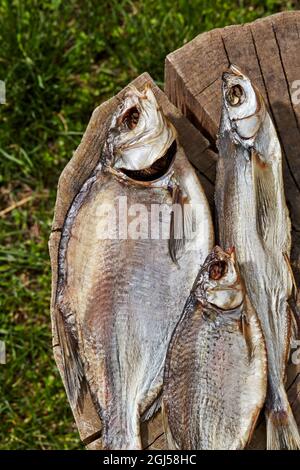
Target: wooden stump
<point>71,180</point>
<point>267,50</point>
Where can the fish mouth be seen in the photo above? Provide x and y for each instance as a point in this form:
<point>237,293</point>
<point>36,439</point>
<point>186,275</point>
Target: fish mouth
<point>159,169</point>
<point>233,91</point>
<point>235,70</point>
<point>130,114</point>
<point>129,118</point>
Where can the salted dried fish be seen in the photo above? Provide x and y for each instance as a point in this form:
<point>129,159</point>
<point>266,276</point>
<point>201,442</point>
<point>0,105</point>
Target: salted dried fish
<point>215,374</point>
<point>253,216</point>
<point>119,297</point>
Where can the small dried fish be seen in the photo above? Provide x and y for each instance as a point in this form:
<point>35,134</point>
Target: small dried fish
<point>215,373</point>
<point>116,298</point>
<point>253,216</point>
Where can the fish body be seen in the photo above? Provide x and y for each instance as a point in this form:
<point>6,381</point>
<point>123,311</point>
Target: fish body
<point>116,295</point>
<point>253,216</point>
<point>215,373</point>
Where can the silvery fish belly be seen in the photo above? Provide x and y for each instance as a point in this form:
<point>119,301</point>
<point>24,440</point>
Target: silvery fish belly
<point>253,216</point>
<point>215,374</point>
<point>127,262</point>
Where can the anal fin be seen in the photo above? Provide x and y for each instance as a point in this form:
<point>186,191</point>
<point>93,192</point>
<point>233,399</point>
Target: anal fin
<point>73,369</point>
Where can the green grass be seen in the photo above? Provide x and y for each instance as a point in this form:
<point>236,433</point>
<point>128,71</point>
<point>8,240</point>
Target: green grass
<point>59,61</point>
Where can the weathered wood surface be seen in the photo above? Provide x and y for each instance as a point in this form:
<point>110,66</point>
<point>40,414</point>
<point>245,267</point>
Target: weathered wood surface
<point>267,50</point>
<point>76,172</point>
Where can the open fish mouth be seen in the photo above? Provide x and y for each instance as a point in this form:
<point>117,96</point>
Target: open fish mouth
<point>130,117</point>
<point>244,105</point>
<point>235,87</point>
<point>159,169</point>
<point>234,92</point>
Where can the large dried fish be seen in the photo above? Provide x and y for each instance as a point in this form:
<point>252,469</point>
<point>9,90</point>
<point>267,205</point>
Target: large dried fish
<point>120,296</point>
<point>253,216</point>
<point>215,374</point>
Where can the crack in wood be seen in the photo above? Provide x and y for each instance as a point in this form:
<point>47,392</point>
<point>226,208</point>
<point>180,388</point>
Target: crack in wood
<point>151,443</point>
<point>92,438</point>
<point>293,382</point>
<point>196,123</point>
<point>207,86</point>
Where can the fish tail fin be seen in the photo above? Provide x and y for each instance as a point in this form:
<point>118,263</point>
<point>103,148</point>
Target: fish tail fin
<point>282,429</point>
<point>120,441</point>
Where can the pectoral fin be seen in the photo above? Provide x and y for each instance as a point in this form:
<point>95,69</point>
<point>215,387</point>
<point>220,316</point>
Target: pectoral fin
<point>266,199</point>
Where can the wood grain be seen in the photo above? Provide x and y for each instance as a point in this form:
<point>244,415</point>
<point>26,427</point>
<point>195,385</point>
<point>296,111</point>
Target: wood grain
<point>267,50</point>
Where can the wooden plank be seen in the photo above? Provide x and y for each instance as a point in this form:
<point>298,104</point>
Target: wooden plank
<point>192,81</point>
<point>82,163</point>
<point>268,51</point>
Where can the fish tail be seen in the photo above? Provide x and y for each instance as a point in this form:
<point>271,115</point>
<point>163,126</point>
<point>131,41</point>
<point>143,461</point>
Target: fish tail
<point>120,435</point>
<point>282,429</point>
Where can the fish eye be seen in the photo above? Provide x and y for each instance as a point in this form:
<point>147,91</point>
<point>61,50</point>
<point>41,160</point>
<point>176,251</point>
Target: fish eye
<point>235,96</point>
<point>217,270</point>
<point>130,118</point>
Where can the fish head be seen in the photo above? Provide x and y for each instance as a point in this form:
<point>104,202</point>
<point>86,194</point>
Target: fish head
<point>243,106</point>
<point>219,282</point>
<point>139,133</point>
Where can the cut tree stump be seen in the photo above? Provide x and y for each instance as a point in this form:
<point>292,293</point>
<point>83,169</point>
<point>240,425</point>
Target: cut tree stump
<point>267,50</point>
<point>84,160</point>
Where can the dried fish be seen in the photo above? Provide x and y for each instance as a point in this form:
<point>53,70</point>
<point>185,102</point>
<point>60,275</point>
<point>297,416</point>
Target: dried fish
<point>253,216</point>
<point>215,375</point>
<point>119,297</point>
